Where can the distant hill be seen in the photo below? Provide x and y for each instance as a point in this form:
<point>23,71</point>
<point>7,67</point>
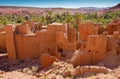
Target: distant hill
<point>17,10</point>
<point>116,7</point>
<point>112,9</point>
<point>43,11</point>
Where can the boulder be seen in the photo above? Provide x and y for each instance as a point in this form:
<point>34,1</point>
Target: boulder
<point>81,57</point>
<point>47,60</point>
<point>76,71</point>
<point>116,34</point>
<point>58,55</point>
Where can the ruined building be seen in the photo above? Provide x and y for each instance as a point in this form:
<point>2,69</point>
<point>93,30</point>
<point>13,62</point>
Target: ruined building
<point>29,40</point>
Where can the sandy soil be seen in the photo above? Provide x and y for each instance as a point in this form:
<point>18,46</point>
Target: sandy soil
<point>31,69</point>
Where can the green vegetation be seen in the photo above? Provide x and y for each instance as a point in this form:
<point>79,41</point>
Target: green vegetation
<point>65,17</point>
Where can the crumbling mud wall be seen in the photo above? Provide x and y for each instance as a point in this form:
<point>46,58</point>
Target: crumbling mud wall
<point>97,45</point>
<point>59,40</point>
<point>113,43</point>
<point>94,52</point>
<point>10,42</point>
<point>55,27</point>
<point>32,45</point>
<point>46,42</point>
<point>101,29</point>
<point>2,42</point>
<point>31,24</point>
<point>63,43</point>
<point>1,28</point>
<point>113,26</point>
<point>20,29</point>
<point>26,46</point>
<point>87,29</point>
<point>104,47</point>
<point>113,30</point>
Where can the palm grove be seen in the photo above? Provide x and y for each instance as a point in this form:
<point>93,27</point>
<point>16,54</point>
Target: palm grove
<point>65,17</point>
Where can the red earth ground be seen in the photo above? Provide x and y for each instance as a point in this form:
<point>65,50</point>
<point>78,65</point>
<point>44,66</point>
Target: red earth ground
<point>31,69</point>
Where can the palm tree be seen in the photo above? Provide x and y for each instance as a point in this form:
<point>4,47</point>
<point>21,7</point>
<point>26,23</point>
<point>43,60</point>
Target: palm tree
<point>49,17</point>
<point>42,20</point>
<point>77,23</point>
<point>27,17</point>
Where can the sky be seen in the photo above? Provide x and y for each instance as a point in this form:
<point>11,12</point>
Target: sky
<point>60,3</point>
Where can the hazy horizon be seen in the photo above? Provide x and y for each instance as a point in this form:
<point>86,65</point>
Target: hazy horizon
<point>60,3</point>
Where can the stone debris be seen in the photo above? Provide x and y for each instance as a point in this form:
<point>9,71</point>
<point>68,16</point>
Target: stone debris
<point>89,69</point>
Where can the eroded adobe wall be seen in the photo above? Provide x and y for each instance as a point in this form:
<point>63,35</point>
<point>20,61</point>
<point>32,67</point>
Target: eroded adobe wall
<point>34,45</point>
<point>46,42</point>
<point>31,24</point>
<point>101,29</point>
<point>60,33</point>
<point>118,47</point>
<point>1,29</point>
<point>26,46</point>
<point>2,41</point>
<point>94,52</point>
<point>113,26</point>
<point>86,29</point>
<point>55,27</point>
<point>22,29</point>
<point>61,39</point>
<point>118,27</point>
<point>112,44</point>
<point>97,45</point>
<point>47,38</point>
<point>10,42</point>
<point>25,42</point>
<point>63,43</point>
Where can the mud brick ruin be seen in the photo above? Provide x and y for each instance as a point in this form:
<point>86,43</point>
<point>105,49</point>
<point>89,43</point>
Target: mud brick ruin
<point>57,40</point>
